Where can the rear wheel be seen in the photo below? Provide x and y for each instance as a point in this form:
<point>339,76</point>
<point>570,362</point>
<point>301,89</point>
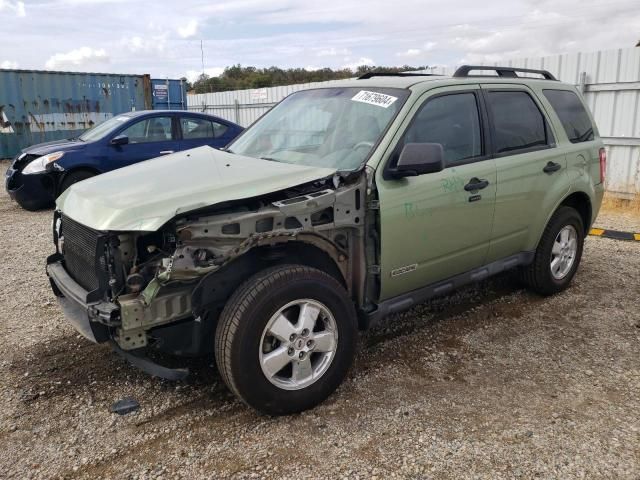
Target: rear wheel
<point>558,254</point>
<point>286,338</point>
<point>74,177</point>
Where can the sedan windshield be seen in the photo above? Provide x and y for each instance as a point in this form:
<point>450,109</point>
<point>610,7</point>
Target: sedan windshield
<point>103,129</point>
<point>332,127</point>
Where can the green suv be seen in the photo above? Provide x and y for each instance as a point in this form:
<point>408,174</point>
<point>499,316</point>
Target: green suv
<point>338,207</point>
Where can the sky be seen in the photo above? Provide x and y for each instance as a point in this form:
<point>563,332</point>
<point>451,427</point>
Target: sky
<point>163,38</point>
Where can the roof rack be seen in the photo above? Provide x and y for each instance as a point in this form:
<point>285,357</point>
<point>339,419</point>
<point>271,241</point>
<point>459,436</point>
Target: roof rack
<point>395,74</point>
<point>510,72</point>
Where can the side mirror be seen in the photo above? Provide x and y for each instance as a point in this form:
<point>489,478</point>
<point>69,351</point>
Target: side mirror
<point>419,158</point>
<point>120,140</point>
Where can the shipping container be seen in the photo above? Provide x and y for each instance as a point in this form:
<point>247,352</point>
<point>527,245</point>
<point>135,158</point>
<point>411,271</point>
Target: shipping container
<point>169,94</point>
<point>41,106</point>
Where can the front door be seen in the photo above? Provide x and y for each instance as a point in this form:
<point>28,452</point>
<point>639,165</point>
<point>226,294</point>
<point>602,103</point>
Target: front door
<point>148,138</point>
<point>435,226</point>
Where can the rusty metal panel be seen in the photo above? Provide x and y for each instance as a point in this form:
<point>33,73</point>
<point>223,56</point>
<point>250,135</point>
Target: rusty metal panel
<point>41,106</point>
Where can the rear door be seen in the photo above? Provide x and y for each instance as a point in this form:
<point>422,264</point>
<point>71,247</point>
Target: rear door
<point>581,144</point>
<point>432,228</point>
<point>198,131</point>
<point>149,137</point>
<point>531,169</point>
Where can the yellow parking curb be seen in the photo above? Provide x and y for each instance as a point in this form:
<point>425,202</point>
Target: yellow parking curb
<point>615,234</point>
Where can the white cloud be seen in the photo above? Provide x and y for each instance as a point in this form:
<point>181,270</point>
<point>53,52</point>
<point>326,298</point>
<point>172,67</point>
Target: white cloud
<point>9,64</point>
<point>16,7</point>
<point>429,46</point>
<point>148,45</point>
<point>289,33</point>
<point>189,30</point>
<point>357,63</point>
<point>76,58</point>
<point>333,52</point>
<point>412,52</point>
<point>193,75</point>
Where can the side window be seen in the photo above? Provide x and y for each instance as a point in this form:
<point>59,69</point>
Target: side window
<point>452,121</point>
<point>193,127</point>
<point>518,123</point>
<point>219,129</point>
<point>572,114</point>
<point>154,129</point>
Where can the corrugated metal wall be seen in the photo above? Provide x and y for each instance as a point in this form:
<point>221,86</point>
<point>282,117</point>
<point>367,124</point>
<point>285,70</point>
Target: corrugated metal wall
<point>40,106</point>
<point>245,106</point>
<point>610,81</point>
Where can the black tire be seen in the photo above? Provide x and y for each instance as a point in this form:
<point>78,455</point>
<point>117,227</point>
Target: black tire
<point>537,276</point>
<point>244,319</point>
<point>74,177</point>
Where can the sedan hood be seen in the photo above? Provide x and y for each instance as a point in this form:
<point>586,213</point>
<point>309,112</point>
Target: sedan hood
<point>145,196</point>
<point>55,146</point>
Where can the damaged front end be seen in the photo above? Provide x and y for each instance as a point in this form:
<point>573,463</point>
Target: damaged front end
<point>165,289</point>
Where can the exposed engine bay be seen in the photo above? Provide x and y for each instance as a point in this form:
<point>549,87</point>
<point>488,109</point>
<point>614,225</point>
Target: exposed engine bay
<point>184,272</point>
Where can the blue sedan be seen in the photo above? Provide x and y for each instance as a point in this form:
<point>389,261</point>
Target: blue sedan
<point>42,172</point>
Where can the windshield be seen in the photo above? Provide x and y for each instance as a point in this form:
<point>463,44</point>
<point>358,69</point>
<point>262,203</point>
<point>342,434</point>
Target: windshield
<point>332,127</point>
<point>103,129</point>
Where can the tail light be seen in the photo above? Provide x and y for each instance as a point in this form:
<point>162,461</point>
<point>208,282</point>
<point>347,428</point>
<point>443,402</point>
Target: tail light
<point>603,164</point>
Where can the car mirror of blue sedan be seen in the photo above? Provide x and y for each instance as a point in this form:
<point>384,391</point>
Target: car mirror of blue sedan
<point>120,140</point>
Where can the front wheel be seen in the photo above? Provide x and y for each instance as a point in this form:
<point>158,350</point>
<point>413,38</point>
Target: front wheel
<point>286,339</point>
<point>558,254</point>
<point>74,177</point>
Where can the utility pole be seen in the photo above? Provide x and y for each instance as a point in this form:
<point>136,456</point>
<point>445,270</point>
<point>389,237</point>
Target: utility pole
<point>202,55</point>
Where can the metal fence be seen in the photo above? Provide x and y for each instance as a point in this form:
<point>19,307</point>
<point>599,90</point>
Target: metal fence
<point>609,80</point>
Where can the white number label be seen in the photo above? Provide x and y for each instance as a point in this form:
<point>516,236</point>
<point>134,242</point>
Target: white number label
<point>374,98</point>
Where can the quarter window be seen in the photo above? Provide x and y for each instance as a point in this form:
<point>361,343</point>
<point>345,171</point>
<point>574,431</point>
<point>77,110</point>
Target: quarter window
<point>572,114</point>
<point>154,129</point>
<point>193,127</point>
<point>452,121</point>
<point>517,122</point>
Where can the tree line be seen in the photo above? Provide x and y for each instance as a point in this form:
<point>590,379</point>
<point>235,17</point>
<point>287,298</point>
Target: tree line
<point>238,77</point>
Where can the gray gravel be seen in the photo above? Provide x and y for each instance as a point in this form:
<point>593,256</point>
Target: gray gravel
<point>492,382</point>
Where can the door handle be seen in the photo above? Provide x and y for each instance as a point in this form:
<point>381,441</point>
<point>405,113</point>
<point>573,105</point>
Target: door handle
<point>166,152</point>
<point>551,167</point>
<point>476,184</point>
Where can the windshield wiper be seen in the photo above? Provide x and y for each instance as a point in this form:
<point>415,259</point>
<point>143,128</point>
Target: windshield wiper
<point>270,159</point>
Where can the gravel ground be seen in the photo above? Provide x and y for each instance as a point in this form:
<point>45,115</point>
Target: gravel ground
<point>492,382</point>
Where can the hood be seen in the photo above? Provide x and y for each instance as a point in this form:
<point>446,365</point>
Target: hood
<point>55,146</point>
<point>146,195</point>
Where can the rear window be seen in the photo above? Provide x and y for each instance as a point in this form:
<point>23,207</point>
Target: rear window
<point>194,127</point>
<point>572,114</point>
<point>518,123</point>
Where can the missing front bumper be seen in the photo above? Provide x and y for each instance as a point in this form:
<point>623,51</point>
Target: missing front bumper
<point>86,317</point>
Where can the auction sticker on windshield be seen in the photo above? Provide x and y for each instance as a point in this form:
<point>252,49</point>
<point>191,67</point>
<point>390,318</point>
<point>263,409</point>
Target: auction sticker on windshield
<point>374,98</point>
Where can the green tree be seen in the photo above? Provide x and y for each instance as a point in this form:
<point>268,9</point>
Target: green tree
<point>237,77</point>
